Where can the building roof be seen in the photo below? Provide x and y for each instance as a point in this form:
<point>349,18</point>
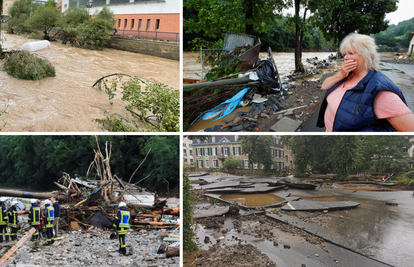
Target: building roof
<point>410,36</point>
<point>217,140</point>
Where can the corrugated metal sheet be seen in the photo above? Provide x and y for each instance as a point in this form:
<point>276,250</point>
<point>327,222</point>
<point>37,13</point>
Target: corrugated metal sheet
<point>236,39</point>
<point>252,55</point>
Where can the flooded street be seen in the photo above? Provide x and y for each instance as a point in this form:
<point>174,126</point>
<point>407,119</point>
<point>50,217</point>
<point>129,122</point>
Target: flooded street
<point>285,62</point>
<point>378,232</point>
<point>68,102</point>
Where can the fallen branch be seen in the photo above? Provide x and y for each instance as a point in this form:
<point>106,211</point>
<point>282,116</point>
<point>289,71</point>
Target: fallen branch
<point>16,247</point>
<point>139,165</point>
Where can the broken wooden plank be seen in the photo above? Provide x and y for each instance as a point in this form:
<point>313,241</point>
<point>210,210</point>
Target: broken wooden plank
<point>17,246</point>
<point>8,244</point>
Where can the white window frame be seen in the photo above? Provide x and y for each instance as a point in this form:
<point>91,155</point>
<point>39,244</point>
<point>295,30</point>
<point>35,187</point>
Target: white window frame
<point>246,163</point>
<point>213,151</point>
<point>206,151</point>
<point>255,166</point>
<point>215,163</point>
<point>198,163</point>
<point>207,164</point>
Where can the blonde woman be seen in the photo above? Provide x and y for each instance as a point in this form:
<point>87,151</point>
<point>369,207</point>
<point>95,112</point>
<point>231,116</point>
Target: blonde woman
<point>360,98</point>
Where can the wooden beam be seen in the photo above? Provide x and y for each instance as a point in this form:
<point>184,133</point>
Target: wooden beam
<point>17,246</point>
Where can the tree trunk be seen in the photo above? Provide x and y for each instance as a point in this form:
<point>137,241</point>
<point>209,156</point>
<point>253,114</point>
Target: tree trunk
<point>249,16</point>
<point>297,36</point>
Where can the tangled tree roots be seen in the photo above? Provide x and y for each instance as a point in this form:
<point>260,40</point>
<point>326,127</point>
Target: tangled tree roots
<point>23,65</point>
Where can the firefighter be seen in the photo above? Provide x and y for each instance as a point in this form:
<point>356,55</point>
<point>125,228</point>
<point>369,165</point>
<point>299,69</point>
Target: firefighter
<point>122,223</point>
<point>3,220</point>
<point>34,218</point>
<point>48,218</point>
<point>13,220</point>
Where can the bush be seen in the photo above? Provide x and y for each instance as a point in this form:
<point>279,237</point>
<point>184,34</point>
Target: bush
<point>94,34</point>
<point>232,163</point>
<point>23,65</point>
<point>143,98</point>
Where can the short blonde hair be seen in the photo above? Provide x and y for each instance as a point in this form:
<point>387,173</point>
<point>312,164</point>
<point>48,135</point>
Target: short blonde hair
<point>364,45</point>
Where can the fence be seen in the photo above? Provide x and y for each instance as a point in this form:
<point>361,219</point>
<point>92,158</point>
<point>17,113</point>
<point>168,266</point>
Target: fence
<point>152,35</point>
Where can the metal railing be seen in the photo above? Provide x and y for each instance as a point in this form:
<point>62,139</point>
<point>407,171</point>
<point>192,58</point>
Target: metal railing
<point>153,35</point>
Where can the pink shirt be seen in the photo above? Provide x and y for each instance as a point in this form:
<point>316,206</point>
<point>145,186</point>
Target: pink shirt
<point>386,105</point>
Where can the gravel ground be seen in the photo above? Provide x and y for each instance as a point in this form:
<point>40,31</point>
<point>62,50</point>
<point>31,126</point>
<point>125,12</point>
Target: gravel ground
<point>95,249</point>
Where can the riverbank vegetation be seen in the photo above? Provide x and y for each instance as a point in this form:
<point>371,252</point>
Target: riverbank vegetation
<point>316,25</point>
<point>154,104</point>
<point>26,66</point>
<point>74,25</point>
<point>343,155</point>
<point>36,162</point>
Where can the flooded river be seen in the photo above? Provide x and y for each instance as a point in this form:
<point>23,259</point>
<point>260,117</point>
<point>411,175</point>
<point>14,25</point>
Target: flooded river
<point>68,102</point>
<point>285,62</point>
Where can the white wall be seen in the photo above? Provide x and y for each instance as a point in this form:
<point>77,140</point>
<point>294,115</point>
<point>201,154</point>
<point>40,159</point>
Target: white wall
<point>150,7</point>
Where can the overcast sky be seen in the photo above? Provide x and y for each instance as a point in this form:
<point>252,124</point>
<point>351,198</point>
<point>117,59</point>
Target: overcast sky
<point>404,12</point>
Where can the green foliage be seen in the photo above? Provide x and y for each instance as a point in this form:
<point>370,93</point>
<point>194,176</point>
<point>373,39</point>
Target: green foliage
<point>257,147</point>
<point>231,163</point>
<point>163,161</point>
<point>35,161</point>
<point>144,98</point>
<point>395,36</point>
<point>189,224</point>
<point>407,178</point>
<point>234,68</point>
<point>213,201</point>
<point>241,16</point>
<point>19,13</point>
<point>23,65</point>
<point>338,18</point>
<point>45,18</point>
<point>343,155</point>
<point>95,33</point>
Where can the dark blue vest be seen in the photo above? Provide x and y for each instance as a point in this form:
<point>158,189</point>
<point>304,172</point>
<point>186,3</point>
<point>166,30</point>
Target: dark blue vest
<point>356,110</point>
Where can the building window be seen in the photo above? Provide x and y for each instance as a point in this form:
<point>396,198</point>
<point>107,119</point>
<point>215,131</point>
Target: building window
<point>207,163</point>
<point>199,163</point>
<point>237,151</point>
<point>226,151</point>
<point>281,165</point>
<point>126,22</point>
<point>255,166</point>
<point>184,144</point>
<point>139,24</point>
<point>191,160</point>
<point>185,152</point>
<point>215,163</point>
<point>191,152</point>
<point>214,151</point>
<point>272,152</point>
<point>246,163</point>
<point>206,151</point>
<point>148,24</point>
<point>157,25</point>
<point>272,166</point>
<point>132,26</point>
<point>119,23</point>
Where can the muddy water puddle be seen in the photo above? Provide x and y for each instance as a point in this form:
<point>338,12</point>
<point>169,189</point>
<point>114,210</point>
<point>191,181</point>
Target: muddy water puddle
<point>253,200</point>
<point>68,102</point>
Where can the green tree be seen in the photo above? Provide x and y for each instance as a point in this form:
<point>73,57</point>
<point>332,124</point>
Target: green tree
<point>337,19</point>
<point>45,18</point>
<point>346,155</point>
<point>386,153</point>
<point>217,17</point>
<point>257,147</point>
<point>188,229</point>
<point>69,21</point>
<point>19,13</point>
<point>96,33</point>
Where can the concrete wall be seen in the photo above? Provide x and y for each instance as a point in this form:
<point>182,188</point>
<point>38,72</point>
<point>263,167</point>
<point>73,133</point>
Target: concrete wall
<point>147,47</point>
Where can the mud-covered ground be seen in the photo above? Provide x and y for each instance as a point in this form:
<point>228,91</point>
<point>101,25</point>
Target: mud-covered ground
<point>237,256</point>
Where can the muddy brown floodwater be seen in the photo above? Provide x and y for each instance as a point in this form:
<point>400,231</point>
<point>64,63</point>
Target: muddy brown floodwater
<point>253,200</point>
<point>68,102</point>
